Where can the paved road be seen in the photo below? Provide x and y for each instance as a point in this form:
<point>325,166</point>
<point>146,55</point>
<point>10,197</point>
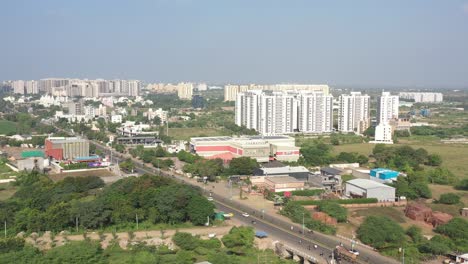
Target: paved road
<point>270,223</point>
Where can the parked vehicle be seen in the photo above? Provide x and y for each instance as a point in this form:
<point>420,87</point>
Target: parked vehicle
<point>261,234</point>
<point>245,215</point>
<point>342,253</point>
<point>210,198</point>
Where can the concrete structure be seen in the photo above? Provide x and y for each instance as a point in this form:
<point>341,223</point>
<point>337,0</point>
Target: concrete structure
<point>383,175</point>
<point>31,160</point>
<point>354,113</point>
<point>283,184</point>
<point>18,87</point>
<point>141,140</point>
<point>369,189</point>
<point>185,91</point>
<point>66,148</point>
<point>329,178</point>
<point>260,148</point>
<point>283,112</point>
<point>297,172</point>
<point>383,134</point>
<point>130,128</point>
<point>152,114</point>
<point>116,119</point>
<point>422,97</point>
<point>231,91</point>
<point>387,108</point>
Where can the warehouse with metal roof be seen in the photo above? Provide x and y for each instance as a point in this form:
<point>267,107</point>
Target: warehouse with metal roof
<point>369,189</point>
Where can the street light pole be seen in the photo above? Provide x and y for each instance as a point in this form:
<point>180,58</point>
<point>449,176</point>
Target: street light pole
<point>303,214</point>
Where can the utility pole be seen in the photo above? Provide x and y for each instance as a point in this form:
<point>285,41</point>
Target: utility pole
<point>5,228</point>
<point>403,260</point>
<point>76,221</point>
<point>303,223</point>
<point>136,216</point>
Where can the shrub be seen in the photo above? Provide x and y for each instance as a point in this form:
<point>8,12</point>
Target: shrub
<point>333,209</point>
<point>449,198</point>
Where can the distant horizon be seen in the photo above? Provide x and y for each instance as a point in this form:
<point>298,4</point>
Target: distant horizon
<point>334,86</point>
<point>362,43</point>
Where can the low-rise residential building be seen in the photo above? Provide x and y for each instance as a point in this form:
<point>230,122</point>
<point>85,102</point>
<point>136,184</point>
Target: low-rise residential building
<point>152,114</point>
<point>130,128</point>
<point>261,148</point>
<point>383,175</point>
<point>283,184</point>
<point>329,178</point>
<point>369,189</point>
<point>297,172</point>
<point>116,119</point>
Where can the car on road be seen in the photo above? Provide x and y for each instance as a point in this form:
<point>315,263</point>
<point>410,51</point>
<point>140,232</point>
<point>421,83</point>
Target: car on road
<point>210,198</point>
<point>354,251</point>
<point>245,215</point>
<point>212,235</point>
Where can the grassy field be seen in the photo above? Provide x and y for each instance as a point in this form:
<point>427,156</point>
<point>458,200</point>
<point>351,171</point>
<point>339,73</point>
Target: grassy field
<point>437,190</point>
<point>7,127</point>
<point>187,133</point>
<point>454,156</point>
<point>6,191</point>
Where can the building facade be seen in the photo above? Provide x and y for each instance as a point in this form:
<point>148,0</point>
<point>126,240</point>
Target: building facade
<point>284,112</point>
<point>185,91</point>
<point>66,148</point>
<point>387,108</point>
<point>353,112</point>
<point>231,91</point>
<point>422,97</point>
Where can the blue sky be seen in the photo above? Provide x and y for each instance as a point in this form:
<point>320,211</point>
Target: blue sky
<point>374,43</point>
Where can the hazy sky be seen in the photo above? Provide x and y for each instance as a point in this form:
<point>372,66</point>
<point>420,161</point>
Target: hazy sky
<point>348,42</point>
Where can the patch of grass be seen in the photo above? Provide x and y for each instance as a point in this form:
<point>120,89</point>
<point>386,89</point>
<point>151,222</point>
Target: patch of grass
<point>6,191</point>
<point>452,209</point>
<point>389,212</point>
<point>438,190</point>
<point>187,133</point>
<point>7,127</point>
<point>453,156</point>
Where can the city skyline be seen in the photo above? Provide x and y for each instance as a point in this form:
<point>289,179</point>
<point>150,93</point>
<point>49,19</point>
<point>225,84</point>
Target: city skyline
<point>359,44</point>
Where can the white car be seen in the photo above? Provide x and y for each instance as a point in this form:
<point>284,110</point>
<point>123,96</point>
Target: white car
<point>245,215</point>
<point>354,251</point>
<point>212,235</point>
<point>210,199</point>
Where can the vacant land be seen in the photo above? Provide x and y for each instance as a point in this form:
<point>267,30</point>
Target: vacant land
<point>453,156</point>
<point>6,191</point>
<point>187,133</point>
<point>7,127</point>
<point>97,173</point>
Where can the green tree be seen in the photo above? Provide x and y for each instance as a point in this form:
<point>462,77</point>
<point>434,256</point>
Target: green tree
<point>434,160</point>
<point>76,252</point>
<point>242,166</point>
<point>199,209</point>
<point>380,232</point>
<point>449,198</point>
<point>462,185</point>
<point>239,239</point>
<point>160,152</point>
<point>333,209</point>
<point>415,233</point>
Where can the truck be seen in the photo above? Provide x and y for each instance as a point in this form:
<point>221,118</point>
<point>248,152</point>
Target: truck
<point>342,253</point>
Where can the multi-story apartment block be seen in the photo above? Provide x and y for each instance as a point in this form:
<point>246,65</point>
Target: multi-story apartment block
<point>31,87</point>
<point>185,91</point>
<point>283,112</point>
<point>422,97</point>
<point>231,91</point>
<point>353,112</point>
<point>387,107</point>
<point>18,87</point>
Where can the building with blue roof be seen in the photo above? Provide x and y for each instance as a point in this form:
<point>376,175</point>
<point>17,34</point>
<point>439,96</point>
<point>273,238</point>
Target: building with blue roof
<point>382,174</point>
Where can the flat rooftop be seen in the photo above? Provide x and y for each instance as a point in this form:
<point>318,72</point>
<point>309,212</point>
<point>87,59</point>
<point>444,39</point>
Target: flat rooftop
<point>367,184</point>
<point>226,138</point>
<point>282,179</point>
<point>66,139</point>
<point>284,170</point>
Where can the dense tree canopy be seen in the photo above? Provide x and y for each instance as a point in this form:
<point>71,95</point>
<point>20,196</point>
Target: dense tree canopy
<point>380,232</point>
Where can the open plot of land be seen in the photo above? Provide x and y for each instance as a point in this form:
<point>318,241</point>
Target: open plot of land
<point>187,133</point>
<point>6,191</point>
<point>98,173</point>
<point>7,127</point>
<point>454,156</point>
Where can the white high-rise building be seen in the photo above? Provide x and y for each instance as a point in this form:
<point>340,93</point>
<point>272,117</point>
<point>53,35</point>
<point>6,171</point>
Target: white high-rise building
<point>231,91</point>
<point>387,108</point>
<point>283,112</point>
<point>31,87</point>
<point>353,112</point>
<point>18,86</point>
<point>185,91</point>
<point>422,97</point>
<point>133,88</point>
<point>315,112</point>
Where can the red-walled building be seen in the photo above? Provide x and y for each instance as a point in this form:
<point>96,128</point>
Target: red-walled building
<point>261,148</point>
<point>66,148</point>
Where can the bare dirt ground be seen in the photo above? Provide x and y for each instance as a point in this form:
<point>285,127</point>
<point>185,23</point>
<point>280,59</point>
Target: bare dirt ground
<point>98,173</point>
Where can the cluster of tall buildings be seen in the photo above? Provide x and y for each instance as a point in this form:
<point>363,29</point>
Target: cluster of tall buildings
<point>77,87</point>
<point>387,110</point>
<point>231,91</point>
<point>184,90</point>
<point>283,112</point>
<point>422,97</point>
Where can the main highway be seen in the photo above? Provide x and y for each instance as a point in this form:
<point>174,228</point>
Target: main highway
<point>286,232</point>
